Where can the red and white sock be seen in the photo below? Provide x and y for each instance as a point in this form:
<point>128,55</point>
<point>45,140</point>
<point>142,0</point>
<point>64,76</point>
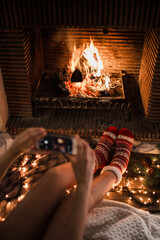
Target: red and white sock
<point>104,146</point>
<point>120,159</point>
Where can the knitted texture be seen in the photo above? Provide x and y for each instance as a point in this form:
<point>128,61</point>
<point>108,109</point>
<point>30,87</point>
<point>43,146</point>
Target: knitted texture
<point>104,146</point>
<point>123,149</point>
<point>114,220</point>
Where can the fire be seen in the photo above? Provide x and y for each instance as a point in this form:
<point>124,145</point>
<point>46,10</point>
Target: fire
<point>90,66</point>
<point>94,61</point>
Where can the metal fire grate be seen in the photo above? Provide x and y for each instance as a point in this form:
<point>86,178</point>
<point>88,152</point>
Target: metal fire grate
<point>50,96</point>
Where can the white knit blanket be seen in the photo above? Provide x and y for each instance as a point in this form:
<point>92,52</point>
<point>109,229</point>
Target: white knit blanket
<point>114,220</point>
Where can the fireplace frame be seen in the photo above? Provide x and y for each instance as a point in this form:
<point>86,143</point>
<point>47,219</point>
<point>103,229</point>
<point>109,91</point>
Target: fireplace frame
<point>19,18</point>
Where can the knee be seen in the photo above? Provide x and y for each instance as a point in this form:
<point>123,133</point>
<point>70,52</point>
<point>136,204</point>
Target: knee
<point>53,176</point>
<point>59,178</point>
<point>56,176</point>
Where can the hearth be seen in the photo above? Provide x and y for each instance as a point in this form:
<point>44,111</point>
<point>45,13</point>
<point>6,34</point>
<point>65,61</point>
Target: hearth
<point>38,44</point>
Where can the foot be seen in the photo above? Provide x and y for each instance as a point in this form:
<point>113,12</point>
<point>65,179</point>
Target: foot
<point>104,146</point>
<point>123,149</point>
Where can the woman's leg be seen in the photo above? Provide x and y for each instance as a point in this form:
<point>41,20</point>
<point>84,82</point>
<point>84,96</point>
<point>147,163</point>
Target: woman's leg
<point>100,186</point>
<point>111,175</point>
<point>31,216</point>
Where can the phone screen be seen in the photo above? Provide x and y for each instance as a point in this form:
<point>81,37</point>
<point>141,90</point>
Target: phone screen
<point>57,143</point>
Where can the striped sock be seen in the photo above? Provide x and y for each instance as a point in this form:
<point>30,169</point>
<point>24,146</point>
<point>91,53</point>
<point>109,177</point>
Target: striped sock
<point>104,146</point>
<point>120,159</point>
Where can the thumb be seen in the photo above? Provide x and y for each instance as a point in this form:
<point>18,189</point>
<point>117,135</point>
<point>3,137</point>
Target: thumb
<point>70,158</point>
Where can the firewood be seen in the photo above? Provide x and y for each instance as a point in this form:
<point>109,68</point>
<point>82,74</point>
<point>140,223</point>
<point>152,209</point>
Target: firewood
<point>76,76</point>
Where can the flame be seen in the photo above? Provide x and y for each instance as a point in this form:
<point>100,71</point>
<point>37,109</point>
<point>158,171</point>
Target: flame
<point>94,61</point>
<point>77,54</point>
<point>89,63</point>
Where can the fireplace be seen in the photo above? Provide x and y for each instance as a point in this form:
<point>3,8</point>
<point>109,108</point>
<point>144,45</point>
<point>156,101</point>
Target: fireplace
<point>36,43</point>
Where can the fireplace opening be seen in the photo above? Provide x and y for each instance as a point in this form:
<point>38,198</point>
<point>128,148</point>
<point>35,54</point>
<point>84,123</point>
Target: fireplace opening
<point>82,65</point>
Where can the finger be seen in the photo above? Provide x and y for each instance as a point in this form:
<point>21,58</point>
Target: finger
<point>94,155</point>
<point>79,143</point>
<point>72,159</point>
<point>33,135</point>
<point>85,151</point>
<point>30,133</point>
<point>35,131</point>
<point>85,145</point>
<point>37,137</point>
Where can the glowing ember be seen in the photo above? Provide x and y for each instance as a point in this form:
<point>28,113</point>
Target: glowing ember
<point>95,80</point>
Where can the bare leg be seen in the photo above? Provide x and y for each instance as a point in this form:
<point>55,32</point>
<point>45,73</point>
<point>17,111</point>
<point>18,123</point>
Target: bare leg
<point>31,216</point>
<point>100,186</point>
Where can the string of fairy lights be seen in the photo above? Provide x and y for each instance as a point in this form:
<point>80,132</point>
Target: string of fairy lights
<point>8,204</point>
<point>132,187</point>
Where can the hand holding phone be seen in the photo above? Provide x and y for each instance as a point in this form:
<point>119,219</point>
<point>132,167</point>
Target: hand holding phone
<point>58,143</point>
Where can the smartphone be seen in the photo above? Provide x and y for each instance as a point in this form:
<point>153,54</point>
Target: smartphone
<point>58,143</point>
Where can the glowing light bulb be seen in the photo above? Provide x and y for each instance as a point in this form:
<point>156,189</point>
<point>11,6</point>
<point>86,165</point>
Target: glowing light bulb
<point>26,186</point>
<point>130,198</point>
<point>2,219</point>
<point>141,198</point>
<point>154,192</point>
<point>145,203</point>
<point>14,169</point>
<point>34,164</point>
<point>135,178</point>
<point>141,178</point>
<point>37,156</point>
<point>128,183</point>
<point>157,201</point>
<point>107,193</point>
<point>20,198</point>
<point>23,171</point>
<point>25,161</point>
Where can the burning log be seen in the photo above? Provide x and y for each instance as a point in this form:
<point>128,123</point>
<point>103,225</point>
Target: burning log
<point>76,76</point>
<point>59,79</point>
<point>111,92</point>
